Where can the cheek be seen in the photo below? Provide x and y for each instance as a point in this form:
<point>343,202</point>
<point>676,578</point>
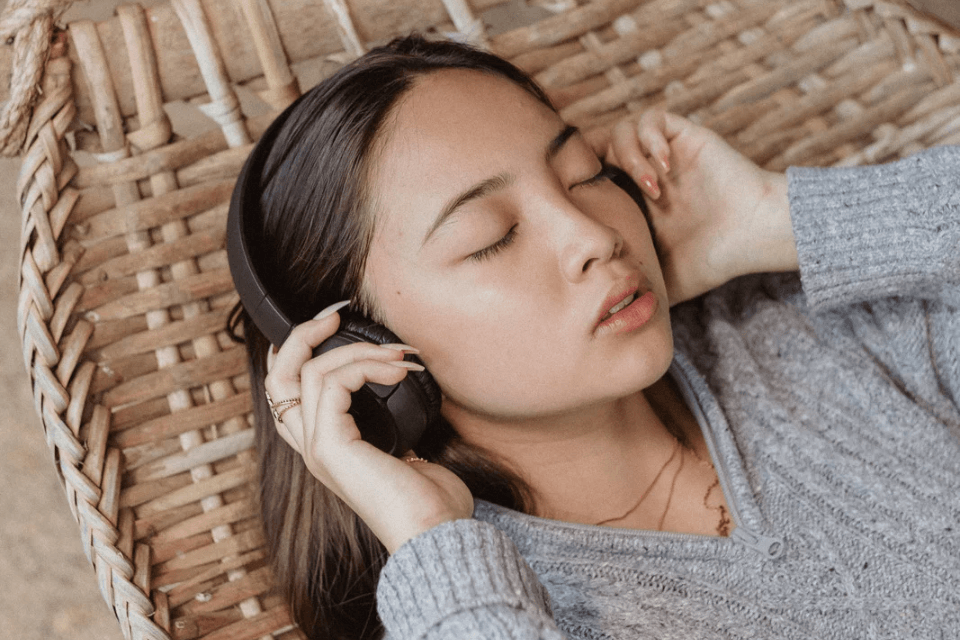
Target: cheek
<point>496,357</point>
<point>483,342</point>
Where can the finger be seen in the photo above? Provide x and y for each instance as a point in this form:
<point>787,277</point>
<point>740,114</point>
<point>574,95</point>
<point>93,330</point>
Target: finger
<point>313,372</point>
<point>626,149</point>
<point>310,379</point>
<point>333,394</point>
<point>599,139</point>
<point>674,125</point>
<point>299,345</point>
<point>653,135</point>
<point>327,427</point>
<point>284,432</point>
<point>346,354</point>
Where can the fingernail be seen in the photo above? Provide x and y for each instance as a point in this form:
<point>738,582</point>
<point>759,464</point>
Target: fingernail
<point>329,311</point>
<point>651,185</point>
<point>412,366</point>
<point>399,346</point>
<point>665,164</point>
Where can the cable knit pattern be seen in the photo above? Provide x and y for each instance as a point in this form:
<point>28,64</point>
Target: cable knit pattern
<point>831,402</point>
<point>461,579</point>
<point>865,233</point>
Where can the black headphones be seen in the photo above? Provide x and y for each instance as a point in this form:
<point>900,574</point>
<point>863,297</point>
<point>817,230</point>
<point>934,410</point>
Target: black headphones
<point>392,418</point>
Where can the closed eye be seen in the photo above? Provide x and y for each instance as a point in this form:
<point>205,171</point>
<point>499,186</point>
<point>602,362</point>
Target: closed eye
<point>606,173</point>
<point>496,247</point>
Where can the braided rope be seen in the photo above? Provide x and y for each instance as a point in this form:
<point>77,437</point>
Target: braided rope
<point>26,25</point>
<point>90,471</point>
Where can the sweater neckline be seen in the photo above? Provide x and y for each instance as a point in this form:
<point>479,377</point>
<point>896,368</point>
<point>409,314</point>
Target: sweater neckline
<point>749,529</point>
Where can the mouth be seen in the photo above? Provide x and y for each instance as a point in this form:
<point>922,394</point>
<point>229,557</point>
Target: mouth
<point>628,309</point>
<point>619,306</point>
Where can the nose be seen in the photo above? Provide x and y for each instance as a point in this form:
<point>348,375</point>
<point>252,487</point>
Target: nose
<point>585,242</point>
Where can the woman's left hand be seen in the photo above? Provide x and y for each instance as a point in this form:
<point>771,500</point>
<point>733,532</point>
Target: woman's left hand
<point>716,214</point>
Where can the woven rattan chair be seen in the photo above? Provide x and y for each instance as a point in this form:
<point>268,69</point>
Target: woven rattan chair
<point>124,286</point>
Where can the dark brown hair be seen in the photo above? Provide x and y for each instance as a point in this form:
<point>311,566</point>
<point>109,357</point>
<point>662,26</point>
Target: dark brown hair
<point>316,226</point>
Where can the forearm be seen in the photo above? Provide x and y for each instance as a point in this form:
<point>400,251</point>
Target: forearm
<point>463,579</point>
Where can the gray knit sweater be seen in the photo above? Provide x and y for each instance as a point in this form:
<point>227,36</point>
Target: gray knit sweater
<point>831,406</point>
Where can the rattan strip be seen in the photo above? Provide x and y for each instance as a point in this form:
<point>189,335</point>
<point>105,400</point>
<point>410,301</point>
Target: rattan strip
<point>282,86</point>
<point>559,28</point>
<point>305,30</point>
<point>732,63</point>
<point>26,25</point>
<point>199,456</point>
<point>114,145</point>
<point>470,28</point>
<point>224,106</point>
<point>340,12</point>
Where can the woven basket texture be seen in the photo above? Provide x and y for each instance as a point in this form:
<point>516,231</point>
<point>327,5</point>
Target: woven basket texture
<point>125,289</point>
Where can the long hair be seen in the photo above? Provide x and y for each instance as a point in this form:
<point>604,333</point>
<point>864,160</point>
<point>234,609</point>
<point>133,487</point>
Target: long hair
<point>316,227</point>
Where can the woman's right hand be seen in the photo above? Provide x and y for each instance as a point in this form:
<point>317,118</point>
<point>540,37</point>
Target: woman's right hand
<point>397,500</point>
<point>716,214</point>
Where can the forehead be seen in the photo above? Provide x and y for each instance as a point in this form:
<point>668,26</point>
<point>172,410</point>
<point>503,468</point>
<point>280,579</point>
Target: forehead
<point>457,125</point>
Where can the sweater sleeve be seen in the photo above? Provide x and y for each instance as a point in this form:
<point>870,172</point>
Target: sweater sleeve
<point>463,580</point>
<point>881,245</point>
<point>866,233</point>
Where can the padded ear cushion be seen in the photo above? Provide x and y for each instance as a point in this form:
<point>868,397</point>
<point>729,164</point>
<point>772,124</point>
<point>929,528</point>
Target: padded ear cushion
<point>370,331</point>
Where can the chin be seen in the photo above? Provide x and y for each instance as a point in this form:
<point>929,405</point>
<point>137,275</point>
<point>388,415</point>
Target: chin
<point>651,361</point>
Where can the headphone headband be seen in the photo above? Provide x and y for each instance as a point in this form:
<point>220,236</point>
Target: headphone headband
<point>241,242</point>
<point>391,417</point>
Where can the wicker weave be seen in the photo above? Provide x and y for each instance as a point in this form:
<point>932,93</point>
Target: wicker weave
<point>124,284</point>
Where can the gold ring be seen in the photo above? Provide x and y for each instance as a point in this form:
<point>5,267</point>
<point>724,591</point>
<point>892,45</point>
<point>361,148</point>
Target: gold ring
<point>283,405</point>
<point>279,414</point>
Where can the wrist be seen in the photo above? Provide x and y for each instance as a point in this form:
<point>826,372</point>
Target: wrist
<point>768,243</point>
<point>782,243</point>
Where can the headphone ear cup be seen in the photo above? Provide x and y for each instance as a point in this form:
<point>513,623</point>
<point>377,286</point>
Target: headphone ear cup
<point>366,328</point>
<point>369,331</point>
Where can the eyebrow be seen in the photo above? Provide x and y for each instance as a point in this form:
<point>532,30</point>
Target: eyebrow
<point>495,183</point>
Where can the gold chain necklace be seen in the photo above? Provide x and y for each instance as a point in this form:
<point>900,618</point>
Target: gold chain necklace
<point>644,495</point>
<point>724,521</point>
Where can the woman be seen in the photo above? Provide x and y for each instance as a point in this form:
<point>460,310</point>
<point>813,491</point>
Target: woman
<point>776,458</point>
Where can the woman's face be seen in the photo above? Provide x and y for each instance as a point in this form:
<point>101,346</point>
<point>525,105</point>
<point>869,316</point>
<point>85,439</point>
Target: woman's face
<point>498,248</point>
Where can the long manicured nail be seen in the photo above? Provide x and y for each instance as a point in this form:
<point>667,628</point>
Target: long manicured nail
<point>412,366</point>
<point>651,186</point>
<point>399,346</point>
<point>329,311</point>
<point>665,164</point>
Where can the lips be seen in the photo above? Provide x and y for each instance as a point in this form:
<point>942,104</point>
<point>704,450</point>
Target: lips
<point>617,297</point>
<point>619,306</point>
<point>629,308</point>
